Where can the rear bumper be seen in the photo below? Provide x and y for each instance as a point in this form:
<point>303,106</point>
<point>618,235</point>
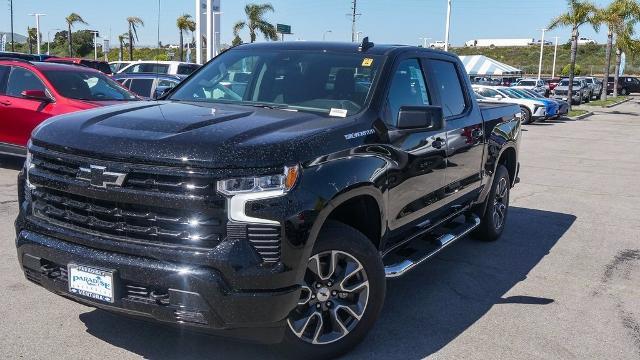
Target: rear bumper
<point>170,293</point>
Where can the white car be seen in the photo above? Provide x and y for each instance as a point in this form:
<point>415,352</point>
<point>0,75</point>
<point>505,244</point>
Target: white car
<point>531,109</point>
<point>160,67</point>
<point>116,66</point>
<point>537,85</point>
<point>438,45</point>
<point>585,41</point>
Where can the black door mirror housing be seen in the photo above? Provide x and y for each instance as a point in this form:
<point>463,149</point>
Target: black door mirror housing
<point>421,117</point>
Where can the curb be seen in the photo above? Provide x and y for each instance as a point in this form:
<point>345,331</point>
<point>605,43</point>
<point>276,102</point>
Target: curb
<point>580,117</point>
<point>618,103</point>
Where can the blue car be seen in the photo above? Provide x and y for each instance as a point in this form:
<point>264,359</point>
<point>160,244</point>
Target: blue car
<point>551,106</point>
<point>148,85</point>
<point>563,106</point>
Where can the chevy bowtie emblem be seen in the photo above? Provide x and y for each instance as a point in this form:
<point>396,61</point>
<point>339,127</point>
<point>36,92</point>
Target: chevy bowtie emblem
<point>98,176</point>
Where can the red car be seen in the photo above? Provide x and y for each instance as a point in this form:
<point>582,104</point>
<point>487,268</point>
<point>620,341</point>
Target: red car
<point>32,92</point>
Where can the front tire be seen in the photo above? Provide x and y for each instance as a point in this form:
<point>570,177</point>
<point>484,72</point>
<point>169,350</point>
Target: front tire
<point>526,115</point>
<point>343,292</point>
<point>497,207</point>
<point>624,92</point>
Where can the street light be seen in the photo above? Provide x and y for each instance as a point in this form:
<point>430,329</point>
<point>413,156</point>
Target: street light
<point>555,55</point>
<point>324,36</point>
<point>424,41</point>
<point>95,43</point>
<point>446,35</point>
<point>37,15</point>
<point>541,52</point>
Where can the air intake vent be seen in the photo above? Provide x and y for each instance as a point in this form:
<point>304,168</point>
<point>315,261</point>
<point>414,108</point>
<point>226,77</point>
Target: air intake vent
<point>265,239</point>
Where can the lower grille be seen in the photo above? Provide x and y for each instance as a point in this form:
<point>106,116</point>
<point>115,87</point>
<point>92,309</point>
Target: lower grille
<point>265,239</point>
<point>128,222</point>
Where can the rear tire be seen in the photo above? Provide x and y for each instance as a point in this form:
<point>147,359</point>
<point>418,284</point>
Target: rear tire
<point>624,92</point>
<point>497,207</point>
<point>343,292</point>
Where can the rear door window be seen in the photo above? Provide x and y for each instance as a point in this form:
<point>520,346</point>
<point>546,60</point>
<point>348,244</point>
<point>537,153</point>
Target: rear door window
<point>452,96</point>
<point>141,87</point>
<point>22,79</point>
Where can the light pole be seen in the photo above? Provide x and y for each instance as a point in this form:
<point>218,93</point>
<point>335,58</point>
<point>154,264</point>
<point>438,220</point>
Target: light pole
<point>95,44</point>
<point>324,36</point>
<point>541,52</point>
<point>555,55</point>
<point>424,41</point>
<point>448,26</point>
<point>37,15</point>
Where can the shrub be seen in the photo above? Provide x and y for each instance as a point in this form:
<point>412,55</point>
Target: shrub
<point>576,71</point>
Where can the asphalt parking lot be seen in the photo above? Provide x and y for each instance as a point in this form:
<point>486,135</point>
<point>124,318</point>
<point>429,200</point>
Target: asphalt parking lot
<point>562,283</point>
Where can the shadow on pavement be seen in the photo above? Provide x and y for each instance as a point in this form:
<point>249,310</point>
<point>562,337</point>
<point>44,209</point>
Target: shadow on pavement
<point>424,311</point>
<point>11,162</point>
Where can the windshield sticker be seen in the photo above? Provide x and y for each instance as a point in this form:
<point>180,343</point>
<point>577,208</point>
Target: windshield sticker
<point>338,112</point>
<point>366,62</point>
<point>359,134</point>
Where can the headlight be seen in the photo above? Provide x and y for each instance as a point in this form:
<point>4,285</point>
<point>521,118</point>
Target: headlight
<point>28,165</point>
<point>239,191</point>
<point>283,182</point>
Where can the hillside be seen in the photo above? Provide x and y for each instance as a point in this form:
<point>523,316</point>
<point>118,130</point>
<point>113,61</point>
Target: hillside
<point>590,58</point>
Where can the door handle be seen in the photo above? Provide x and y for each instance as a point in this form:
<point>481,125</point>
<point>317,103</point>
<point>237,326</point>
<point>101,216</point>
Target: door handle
<point>437,143</point>
<point>5,102</point>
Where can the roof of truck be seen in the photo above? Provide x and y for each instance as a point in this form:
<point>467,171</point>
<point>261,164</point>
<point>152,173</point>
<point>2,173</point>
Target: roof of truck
<point>346,47</point>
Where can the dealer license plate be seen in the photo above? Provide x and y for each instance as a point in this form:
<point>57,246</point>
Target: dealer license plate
<point>90,282</point>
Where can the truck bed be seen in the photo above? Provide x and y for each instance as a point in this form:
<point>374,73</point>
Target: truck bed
<point>497,110</point>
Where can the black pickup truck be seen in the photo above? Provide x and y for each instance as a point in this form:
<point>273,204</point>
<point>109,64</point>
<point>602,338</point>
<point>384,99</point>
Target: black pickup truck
<point>271,194</point>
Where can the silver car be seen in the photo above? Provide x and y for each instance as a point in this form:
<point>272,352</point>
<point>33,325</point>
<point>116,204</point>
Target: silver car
<point>581,91</point>
<point>594,84</point>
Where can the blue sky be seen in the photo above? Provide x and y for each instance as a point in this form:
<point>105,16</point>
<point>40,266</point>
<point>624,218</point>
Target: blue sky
<point>384,21</point>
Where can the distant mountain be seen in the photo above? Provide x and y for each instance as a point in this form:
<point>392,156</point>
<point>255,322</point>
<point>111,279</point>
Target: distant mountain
<point>19,39</point>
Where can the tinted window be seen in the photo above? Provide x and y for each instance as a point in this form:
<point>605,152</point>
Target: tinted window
<point>4,73</point>
<point>148,68</point>
<point>187,69</point>
<point>141,87</point>
<point>408,88</point>
<point>527,83</point>
<point>449,87</point>
<point>20,80</point>
<point>82,85</point>
<point>167,83</point>
<point>488,93</point>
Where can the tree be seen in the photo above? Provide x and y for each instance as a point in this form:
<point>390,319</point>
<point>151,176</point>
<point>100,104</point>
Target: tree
<point>579,13</point>
<point>625,43</point>
<point>256,22</point>
<point>236,41</point>
<point>134,22</point>
<point>31,38</point>
<point>71,20</point>
<point>185,24</point>
<point>121,41</point>
<point>615,16</point>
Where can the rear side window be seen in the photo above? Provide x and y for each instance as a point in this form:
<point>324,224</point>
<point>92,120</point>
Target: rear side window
<point>167,83</point>
<point>449,86</point>
<point>141,87</point>
<point>4,74</point>
<point>148,68</point>
<point>186,69</point>
<point>22,79</point>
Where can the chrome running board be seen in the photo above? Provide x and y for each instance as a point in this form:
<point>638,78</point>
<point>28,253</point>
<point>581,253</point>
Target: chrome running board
<point>412,255</point>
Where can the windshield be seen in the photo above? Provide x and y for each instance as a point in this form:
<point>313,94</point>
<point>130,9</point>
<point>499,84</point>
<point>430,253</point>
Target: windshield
<point>92,86</point>
<point>527,83</point>
<point>513,94</point>
<point>533,94</point>
<point>566,83</point>
<point>322,82</point>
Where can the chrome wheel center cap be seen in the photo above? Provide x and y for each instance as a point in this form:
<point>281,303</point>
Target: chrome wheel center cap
<point>323,294</point>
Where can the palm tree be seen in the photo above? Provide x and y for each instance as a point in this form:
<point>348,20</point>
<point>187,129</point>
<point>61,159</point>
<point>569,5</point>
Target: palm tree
<point>625,43</point>
<point>32,38</point>
<point>134,22</point>
<point>579,13</point>
<point>184,24</point>
<point>615,16</point>
<point>121,39</point>
<point>256,22</point>
<point>71,20</point>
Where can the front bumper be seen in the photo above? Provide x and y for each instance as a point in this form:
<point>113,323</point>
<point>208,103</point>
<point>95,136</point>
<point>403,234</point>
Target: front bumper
<point>539,113</point>
<point>194,297</point>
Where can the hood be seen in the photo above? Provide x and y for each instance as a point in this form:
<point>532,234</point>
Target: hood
<point>201,134</point>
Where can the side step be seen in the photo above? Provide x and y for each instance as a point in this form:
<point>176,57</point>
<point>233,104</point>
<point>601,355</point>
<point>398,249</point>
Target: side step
<point>405,258</point>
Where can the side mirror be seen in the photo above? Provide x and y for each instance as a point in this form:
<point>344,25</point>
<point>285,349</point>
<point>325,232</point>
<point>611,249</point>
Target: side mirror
<point>160,92</point>
<point>498,97</point>
<point>421,117</point>
<point>39,95</point>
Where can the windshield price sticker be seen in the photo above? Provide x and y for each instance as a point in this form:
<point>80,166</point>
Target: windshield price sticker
<point>338,112</point>
<point>366,62</point>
